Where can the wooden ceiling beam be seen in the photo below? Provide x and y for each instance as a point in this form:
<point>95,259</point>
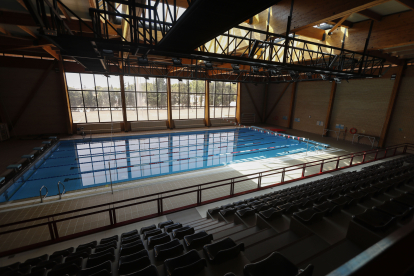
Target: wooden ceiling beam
<point>52,52</point>
<point>408,3</point>
<point>312,32</point>
<point>371,15</point>
<point>4,31</point>
<point>346,24</point>
<point>65,13</point>
<point>338,24</point>
<point>27,30</point>
<point>21,2</point>
<point>385,56</point>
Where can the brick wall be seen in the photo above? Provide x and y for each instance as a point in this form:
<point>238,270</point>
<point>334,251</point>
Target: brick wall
<point>401,128</point>
<point>312,100</point>
<point>45,114</point>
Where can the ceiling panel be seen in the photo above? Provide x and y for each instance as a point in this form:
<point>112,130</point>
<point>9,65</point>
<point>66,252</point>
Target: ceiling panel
<point>389,8</point>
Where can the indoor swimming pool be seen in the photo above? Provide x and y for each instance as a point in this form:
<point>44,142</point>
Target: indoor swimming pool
<point>81,164</point>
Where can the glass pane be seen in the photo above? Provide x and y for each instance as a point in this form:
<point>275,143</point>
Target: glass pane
<point>162,99</point>
<point>192,99</point>
<point>117,115</point>
<point>114,84</point>
<point>75,98</point>
<point>193,86</point>
<point>78,115</point>
<point>142,114</point>
<point>129,83</point>
<point>217,112</point>
<point>152,114</point>
<point>130,100</point>
<point>175,86</point>
<point>104,114</point>
<point>115,99</point>
<point>200,113</point>
<point>192,113</point>
<point>131,114</point>
<point>201,87</point>
<point>219,87</point>
<point>141,99</point>
<point>151,85</point>
<point>101,83</point>
<point>162,84</point>
<point>225,112</point>
<point>234,88</point>
<point>211,99</point>
<point>183,99</point>
<point>212,115</point>
<point>92,115</point>
<point>73,81</point>
<point>162,113</point>
<point>233,100</point>
<point>212,87</point>
<point>226,100</point>
<point>184,86</point>
<point>152,100</point>
<point>183,113</point>
<point>226,88</point>
<point>88,83</point>
<point>200,100</point>
<point>232,112</point>
<point>175,111</point>
<point>89,97</point>
<point>103,99</point>
<point>218,100</point>
<point>175,99</point>
<point>141,84</point>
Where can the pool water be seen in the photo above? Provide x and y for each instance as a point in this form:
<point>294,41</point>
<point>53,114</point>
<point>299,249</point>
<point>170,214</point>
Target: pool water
<point>81,164</point>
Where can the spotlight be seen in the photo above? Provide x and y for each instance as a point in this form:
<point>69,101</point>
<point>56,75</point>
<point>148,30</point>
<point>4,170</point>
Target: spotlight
<point>338,80</point>
<point>147,78</point>
<point>208,64</point>
<point>236,68</point>
<point>180,79</point>
<point>177,62</point>
<point>143,61</point>
<point>255,69</point>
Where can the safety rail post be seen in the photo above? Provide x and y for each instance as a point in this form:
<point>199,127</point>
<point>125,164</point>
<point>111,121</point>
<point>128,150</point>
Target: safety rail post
<point>114,215</point>
<point>352,159</point>
<point>303,170</point>
<point>111,219</point>
<point>49,225</point>
<point>321,169</point>
<point>337,163</point>
<point>232,187</point>
<point>363,157</point>
<point>159,201</point>
<point>55,228</point>
<point>385,154</point>
<point>199,195</point>
<point>376,155</point>
<point>259,181</point>
<point>283,176</point>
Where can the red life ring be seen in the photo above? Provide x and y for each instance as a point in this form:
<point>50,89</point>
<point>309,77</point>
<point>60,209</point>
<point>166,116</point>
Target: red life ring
<point>353,130</point>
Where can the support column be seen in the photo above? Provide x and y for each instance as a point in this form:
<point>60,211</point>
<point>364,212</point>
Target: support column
<point>169,108</point>
<point>238,104</point>
<point>330,105</point>
<point>69,121</point>
<point>207,105</point>
<point>292,103</point>
<point>123,101</point>
<point>394,94</point>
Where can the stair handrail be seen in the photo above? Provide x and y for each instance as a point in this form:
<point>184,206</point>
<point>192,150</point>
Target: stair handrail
<point>64,189</point>
<point>40,192</point>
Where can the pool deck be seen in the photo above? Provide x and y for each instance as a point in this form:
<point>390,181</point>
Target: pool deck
<point>32,208</point>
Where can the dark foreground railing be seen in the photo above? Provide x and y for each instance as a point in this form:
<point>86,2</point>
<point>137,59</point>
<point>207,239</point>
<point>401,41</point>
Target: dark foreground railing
<point>55,223</point>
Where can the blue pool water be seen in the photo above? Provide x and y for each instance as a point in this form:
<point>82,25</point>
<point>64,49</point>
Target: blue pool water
<point>81,164</point>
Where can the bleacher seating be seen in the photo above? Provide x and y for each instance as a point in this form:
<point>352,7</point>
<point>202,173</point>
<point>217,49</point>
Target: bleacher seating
<point>293,231</point>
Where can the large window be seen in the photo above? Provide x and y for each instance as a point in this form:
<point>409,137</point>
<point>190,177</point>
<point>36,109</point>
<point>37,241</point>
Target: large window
<point>146,98</point>
<point>94,98</point>
<point>223,99</point>
<point>187,99</point>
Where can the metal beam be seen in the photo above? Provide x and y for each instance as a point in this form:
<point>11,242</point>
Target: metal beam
<point>277,101</point>
<point>32,94</point>
<point>169,105</point>
<point>207,104</point>
<point>292,104</point>
<point>330,104</point>
<point>338,24</point>
<point>394,94</point>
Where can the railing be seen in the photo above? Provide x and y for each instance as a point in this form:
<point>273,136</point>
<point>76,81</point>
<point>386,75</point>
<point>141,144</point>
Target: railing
<point>64,189</point>
<point>40,192</point>
<point>232,185</point>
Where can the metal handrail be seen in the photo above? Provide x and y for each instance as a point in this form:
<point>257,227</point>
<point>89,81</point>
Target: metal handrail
<point>64,189</point>
<point>40,192</point>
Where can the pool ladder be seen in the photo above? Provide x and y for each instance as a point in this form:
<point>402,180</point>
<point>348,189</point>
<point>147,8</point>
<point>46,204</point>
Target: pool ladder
<point>47,191</point>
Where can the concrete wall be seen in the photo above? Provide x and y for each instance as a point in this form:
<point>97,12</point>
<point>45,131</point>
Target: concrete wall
<point>401,128</point>
<point>283,106</point>
<point>45,113</point>
<point>362,104</point>
<point>311,104</point>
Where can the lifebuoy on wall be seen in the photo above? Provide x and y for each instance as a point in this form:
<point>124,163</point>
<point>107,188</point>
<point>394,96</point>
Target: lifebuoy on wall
<point>353,130</point>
